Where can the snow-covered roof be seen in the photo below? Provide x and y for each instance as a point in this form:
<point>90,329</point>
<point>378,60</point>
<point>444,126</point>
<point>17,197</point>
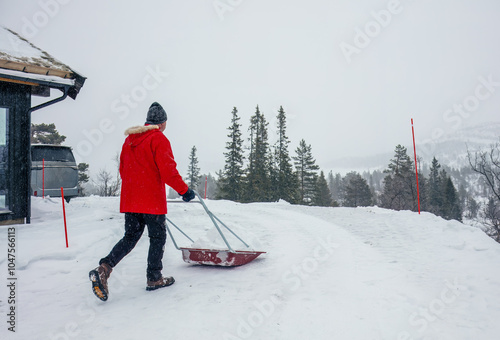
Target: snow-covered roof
<point>37,77</point>
<point>20,60</point>
<point>17,53</point>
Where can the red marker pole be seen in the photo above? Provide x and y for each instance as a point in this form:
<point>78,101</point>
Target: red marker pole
<point>416,168</point>
<point>64,216</point>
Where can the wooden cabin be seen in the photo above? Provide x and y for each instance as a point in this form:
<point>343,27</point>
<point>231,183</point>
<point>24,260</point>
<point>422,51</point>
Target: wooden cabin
<point>25,71</point>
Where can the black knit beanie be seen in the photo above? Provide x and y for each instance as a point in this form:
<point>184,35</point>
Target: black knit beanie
<point>156,114</point>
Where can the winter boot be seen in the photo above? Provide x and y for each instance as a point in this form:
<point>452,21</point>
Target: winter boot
<point>99,278</point>
<point>163,282</point>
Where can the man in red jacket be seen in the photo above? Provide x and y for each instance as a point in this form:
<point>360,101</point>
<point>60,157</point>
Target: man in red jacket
<point>146,165</point>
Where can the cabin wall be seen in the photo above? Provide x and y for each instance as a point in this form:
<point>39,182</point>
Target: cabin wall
<point>15,126</point>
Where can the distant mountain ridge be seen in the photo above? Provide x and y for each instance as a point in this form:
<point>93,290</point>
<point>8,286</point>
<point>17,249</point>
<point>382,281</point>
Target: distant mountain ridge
<point>450,149</point>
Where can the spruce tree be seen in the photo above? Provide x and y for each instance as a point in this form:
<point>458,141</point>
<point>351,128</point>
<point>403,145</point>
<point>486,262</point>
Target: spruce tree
<point>231,179</point>
<point>330,180</point>
<point>322,196</point>
<point>258,177</point>
<point>435,191</point>
<point>83,177</point>
<point>336,186</point>
<point>285,179</point>
<point>306,169</point>
<point>423,184</point>
<point>273,176</point>
<point>358,193</point>
<point>443,182</point>
<point>193,174</point>
<point>451,206</point>
<point>399,191</point>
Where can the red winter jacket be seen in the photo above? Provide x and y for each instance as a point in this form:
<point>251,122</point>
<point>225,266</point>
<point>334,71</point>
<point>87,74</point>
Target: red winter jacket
<point>146,165</point>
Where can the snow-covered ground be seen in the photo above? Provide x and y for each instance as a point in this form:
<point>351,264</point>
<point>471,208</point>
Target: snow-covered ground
<point>329,273</point>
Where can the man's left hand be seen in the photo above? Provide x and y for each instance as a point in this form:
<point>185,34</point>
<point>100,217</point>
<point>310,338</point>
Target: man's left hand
<point>188,195</point>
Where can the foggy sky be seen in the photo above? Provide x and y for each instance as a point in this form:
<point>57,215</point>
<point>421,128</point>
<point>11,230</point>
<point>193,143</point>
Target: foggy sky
<point>349,74</point>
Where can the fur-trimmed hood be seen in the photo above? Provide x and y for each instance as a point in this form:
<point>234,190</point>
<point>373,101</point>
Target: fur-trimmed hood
<point>137,134</point>
<point>140,129</point>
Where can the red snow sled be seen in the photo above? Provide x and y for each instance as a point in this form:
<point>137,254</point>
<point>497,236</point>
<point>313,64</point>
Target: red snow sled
<point>225,258</point>
<point>214,257</point>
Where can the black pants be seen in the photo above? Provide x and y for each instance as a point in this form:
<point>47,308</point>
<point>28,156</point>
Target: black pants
<point>134,227</point>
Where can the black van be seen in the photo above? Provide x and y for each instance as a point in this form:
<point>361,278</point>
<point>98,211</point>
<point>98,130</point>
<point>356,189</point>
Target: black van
<point>53,167</point>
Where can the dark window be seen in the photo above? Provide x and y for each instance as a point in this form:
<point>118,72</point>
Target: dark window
<point>4,158</point>
<point>51,154</point>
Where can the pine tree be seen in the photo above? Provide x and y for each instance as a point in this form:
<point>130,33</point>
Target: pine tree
<point>83,177</point>
<point>285,178</point>
<point>358,193</point>
<point>306,169</point>
<point>46,134</point>
<point>274,175</point>
<point>231,179</point>
<point>258,174</point>
<point>399,191</point>
<point>423,183</point>
<point>322,196</point>
<point>451,206</point>
<point>378,180</point>
<point>443,181</point>
<point>435,191</point>
<point>193,174</point>
<point>336,186</point>
<point>330,180</point>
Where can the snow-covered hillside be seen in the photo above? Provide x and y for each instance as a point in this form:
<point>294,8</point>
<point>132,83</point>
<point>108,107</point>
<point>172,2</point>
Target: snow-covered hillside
<point>450,149</point>
<point>329,273</point>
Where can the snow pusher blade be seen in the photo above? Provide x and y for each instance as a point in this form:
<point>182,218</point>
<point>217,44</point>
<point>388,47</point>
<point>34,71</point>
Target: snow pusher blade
<point>214,257</point>
<point>223,258</point>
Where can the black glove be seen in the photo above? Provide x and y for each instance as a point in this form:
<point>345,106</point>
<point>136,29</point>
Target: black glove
<point>188,195</point>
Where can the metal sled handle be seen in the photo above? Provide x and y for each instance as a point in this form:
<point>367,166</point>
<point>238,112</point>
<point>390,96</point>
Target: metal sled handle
<point>172,236</point>
<point>213,218</point>
<point>213,221</point>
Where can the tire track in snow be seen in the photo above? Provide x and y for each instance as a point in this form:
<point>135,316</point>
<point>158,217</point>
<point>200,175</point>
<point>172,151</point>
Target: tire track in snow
<point>365,291</point>
<point>305,269</point>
